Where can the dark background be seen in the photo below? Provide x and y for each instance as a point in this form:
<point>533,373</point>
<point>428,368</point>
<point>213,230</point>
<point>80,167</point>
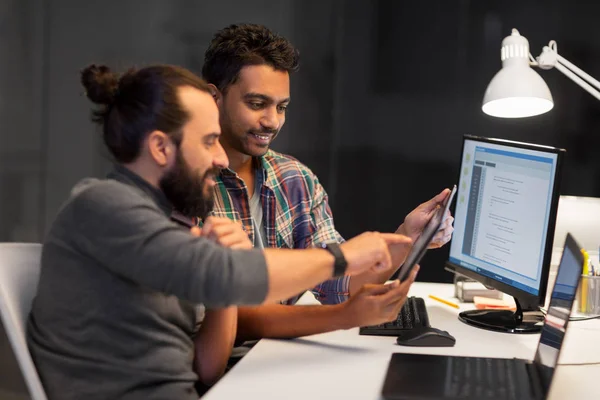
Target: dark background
<point>385,91</point>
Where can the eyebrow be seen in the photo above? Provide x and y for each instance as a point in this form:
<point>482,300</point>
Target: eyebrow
<point>212,135</point>
<point>264,98</point>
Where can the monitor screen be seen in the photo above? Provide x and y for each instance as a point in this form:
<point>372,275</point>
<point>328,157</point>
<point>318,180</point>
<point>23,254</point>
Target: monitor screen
<point>503,211</point>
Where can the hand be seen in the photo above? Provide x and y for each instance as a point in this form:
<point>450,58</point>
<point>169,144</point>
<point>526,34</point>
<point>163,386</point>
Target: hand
<point>226,232</point>
<point>370,250</point>
<point>377,304</point>
<point>415,221</point>
<point>399,252</point>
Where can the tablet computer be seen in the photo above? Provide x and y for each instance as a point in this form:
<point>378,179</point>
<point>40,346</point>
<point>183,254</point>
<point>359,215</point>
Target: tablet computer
<point>420,246</point>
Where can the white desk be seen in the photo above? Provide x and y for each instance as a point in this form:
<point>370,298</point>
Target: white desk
<point>345,365</point>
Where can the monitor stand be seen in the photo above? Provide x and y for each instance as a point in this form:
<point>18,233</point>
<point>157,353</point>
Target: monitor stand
<point>505,320</point>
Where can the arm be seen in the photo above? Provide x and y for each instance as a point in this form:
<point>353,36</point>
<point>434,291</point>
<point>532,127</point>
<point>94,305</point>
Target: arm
<point>213,344</point>
<point>283,321</point>
<point>372,305</point>
<point>127,234</point>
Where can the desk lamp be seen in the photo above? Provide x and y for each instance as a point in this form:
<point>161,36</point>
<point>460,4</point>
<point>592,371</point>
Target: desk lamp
<point>518,91</point>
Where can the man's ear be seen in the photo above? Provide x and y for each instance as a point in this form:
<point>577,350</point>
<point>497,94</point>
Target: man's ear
<point>161,148</point>
<point>216,94</point>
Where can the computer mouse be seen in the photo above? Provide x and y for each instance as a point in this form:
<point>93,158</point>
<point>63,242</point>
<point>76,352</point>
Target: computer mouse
<point>426,337</point>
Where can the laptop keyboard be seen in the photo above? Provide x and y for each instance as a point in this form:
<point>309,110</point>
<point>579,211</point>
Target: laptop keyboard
<point>481,378</point>
<point>413,315</point>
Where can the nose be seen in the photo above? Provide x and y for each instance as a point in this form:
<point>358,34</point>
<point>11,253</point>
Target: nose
<point>220,159</point>
<point>270,119</point>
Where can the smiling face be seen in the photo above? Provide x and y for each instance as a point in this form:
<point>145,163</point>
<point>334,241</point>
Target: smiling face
<point>252,110</point>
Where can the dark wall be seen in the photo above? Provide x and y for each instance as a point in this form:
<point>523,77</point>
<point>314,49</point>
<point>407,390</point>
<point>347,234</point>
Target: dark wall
<point>384,94</point>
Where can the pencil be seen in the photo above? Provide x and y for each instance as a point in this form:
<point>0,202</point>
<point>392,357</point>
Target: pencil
<point>451,304</point>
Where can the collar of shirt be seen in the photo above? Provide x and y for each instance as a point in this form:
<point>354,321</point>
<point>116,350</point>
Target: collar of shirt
<point>237,206</point>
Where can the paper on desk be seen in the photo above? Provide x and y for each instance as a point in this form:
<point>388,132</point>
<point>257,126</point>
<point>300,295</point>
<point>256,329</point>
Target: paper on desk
<point>485,303</point>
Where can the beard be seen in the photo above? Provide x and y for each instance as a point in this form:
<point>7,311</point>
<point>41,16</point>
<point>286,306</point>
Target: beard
<point>186,191</point>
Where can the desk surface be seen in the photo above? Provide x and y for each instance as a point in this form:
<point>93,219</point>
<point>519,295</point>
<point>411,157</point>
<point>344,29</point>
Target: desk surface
<point>345,365</point>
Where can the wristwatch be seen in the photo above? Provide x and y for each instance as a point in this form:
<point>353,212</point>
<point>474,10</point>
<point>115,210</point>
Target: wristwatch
<point>340,264</point>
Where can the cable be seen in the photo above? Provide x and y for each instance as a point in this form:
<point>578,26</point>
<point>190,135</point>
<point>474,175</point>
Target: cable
<point>532,61</point>
<point>577,364</point>
<point>573,319</point>
<point>583,318</point>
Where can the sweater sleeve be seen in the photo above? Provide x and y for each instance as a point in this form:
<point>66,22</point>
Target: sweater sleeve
<point>129,235</point>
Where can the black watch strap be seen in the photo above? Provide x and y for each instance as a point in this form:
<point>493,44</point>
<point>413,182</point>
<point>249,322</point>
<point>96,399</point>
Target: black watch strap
<point>340,264</point>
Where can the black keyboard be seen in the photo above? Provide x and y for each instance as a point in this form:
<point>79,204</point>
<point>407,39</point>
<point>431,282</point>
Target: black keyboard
<point>481,378</point>
<point>413,315</point>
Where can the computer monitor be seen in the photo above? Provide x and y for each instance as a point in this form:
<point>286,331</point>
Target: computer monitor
<point>504,226</point>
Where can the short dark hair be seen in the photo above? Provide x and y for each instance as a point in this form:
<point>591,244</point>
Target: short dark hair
<point>137,103</point>
<point>237,46</point>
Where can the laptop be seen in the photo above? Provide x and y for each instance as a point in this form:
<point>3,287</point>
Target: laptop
<point>421,376</point>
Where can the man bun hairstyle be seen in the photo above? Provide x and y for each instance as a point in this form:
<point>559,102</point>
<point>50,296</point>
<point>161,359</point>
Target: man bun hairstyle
<point>136,103</point>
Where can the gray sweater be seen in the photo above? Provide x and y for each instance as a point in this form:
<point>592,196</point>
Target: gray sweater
<point>116,307</point>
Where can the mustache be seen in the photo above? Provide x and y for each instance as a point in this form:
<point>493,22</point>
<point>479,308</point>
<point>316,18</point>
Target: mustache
<point>265,131</point>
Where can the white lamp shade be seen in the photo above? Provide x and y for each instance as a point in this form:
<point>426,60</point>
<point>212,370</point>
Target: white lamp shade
<point>517,91</point>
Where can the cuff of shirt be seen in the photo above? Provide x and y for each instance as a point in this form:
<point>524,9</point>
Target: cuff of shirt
<point>334,291</point>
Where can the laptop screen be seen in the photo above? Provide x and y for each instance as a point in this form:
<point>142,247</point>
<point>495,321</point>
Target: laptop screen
<point>559,311</point>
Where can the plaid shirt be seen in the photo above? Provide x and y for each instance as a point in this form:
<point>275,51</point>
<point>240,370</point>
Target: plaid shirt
<point>296,214</point>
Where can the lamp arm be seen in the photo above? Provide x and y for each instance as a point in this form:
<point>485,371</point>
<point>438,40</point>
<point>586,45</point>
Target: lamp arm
<point>578,71</point>
<point>586,86</point>
<point>550,58</point>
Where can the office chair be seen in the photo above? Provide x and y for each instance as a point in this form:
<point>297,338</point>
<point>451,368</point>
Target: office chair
<point>19,276</point>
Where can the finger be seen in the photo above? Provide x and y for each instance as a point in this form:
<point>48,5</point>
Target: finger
<point>446,228</point>
<point>234,239</point>
<point>213,221</point>
<point>376,289</point>
<point>413,275</point>
<point>386,258</point>
<point>397,307</point>
<point>223,230</point>
<point>207,226</point>
<point>447,223</point>
<point>242,246</point>
<point>196,231</point>
<point>394,238</point>
<point>430,205</point>
<point>396,294</point>
<point>441,238</point>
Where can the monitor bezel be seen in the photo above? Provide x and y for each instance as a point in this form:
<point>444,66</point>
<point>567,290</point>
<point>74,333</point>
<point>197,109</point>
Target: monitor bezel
<point>527,300</point>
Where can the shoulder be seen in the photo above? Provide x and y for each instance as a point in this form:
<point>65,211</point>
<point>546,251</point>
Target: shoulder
<point>283,166</point>
<point>105,196</point>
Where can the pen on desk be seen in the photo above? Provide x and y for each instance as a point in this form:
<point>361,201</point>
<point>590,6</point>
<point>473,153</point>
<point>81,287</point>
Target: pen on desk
<point>451,304</point>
